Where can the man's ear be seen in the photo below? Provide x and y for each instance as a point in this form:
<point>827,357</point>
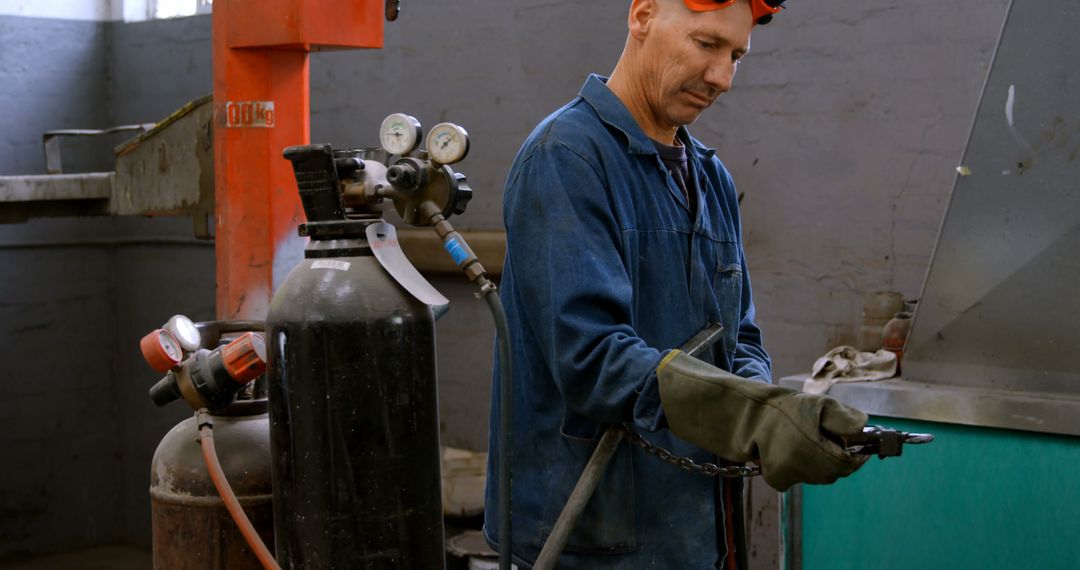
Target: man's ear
<point>643,15</point>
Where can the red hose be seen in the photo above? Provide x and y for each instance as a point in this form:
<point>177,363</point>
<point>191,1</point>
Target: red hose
<point>217,475</point>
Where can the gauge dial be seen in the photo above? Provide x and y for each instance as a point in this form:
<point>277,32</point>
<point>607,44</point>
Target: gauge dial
<point>400,134</point>
<point>447,143</point>
<point>185,332</point>
<point>161,350</point>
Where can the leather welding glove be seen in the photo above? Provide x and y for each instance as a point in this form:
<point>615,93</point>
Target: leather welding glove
<point>784,431</point>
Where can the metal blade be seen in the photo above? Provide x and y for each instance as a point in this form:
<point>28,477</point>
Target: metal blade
<point>384,243</point>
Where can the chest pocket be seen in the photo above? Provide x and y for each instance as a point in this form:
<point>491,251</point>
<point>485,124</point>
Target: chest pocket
<point>727,284</point>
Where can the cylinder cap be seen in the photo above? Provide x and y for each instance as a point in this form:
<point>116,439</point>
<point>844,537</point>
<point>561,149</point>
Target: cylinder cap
<point>245,357</point>
<point>161,350</point>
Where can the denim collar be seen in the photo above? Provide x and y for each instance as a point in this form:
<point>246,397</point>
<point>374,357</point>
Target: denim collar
<point>611,110</point>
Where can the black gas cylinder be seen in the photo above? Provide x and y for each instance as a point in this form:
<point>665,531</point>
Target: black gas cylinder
<point>353,412</point>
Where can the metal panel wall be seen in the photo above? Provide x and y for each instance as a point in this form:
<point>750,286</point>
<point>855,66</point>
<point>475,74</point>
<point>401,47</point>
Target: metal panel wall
<point>1000,306</point>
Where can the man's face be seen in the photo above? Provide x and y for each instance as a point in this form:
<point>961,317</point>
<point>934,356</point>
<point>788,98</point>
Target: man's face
<point>691,58</point>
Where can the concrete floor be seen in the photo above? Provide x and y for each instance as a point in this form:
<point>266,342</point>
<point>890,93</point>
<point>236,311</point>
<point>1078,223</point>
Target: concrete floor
<point>98,558</point>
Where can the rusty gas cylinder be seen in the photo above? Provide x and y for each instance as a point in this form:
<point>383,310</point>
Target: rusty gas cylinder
<point>192,529</point>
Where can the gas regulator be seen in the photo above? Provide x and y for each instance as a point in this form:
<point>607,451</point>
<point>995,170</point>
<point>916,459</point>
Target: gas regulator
<point>350,184</point>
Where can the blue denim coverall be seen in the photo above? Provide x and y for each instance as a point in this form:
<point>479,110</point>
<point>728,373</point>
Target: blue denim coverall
<point>605,272</point>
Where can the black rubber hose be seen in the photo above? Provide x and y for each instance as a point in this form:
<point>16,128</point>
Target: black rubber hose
<point>502,340</point>
<point>467,261</point>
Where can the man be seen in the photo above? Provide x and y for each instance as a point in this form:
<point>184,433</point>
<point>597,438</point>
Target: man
<point>623,241</point>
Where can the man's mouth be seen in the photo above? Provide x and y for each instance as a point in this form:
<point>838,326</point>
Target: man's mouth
<point>698,99</point>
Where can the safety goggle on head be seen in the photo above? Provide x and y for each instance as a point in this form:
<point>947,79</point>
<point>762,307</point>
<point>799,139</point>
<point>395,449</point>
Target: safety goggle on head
<point>763,10</point>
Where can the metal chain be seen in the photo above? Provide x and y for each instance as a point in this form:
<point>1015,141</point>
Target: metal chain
<point>687,464</point>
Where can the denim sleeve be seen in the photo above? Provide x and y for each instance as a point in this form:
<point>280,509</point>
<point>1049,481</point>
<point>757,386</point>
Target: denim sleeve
<point>751,360</point>
<point>564,243</point>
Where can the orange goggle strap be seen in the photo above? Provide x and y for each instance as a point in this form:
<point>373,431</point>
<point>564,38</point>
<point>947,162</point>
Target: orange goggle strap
<point>763,10</point>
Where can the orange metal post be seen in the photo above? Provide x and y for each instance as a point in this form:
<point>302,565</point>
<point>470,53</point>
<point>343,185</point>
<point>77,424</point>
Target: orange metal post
<point>261,106</point>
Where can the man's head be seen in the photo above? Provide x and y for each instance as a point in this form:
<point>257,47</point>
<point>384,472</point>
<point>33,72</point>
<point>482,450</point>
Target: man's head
<point>678,61</point>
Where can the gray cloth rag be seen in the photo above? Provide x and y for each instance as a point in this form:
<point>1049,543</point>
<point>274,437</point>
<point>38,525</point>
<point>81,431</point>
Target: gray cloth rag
<point>846,364</point>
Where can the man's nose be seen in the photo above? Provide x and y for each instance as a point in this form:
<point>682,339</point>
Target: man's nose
<point>721,73</point>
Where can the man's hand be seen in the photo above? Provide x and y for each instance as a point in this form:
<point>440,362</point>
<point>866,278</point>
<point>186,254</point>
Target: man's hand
<point>793,436</point>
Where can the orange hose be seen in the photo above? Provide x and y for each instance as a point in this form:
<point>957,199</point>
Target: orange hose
<point>217,475</point>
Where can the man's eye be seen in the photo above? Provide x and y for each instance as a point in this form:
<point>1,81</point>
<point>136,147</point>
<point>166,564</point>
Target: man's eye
<point>705,45</point>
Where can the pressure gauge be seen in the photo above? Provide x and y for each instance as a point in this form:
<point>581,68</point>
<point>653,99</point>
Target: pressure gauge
<point>447,143</point>
<point>161,350</point>
<point>400,134</point>
<point>185,332</point>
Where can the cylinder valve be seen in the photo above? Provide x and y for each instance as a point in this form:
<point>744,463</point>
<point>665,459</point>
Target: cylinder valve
<point>211,378</point>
